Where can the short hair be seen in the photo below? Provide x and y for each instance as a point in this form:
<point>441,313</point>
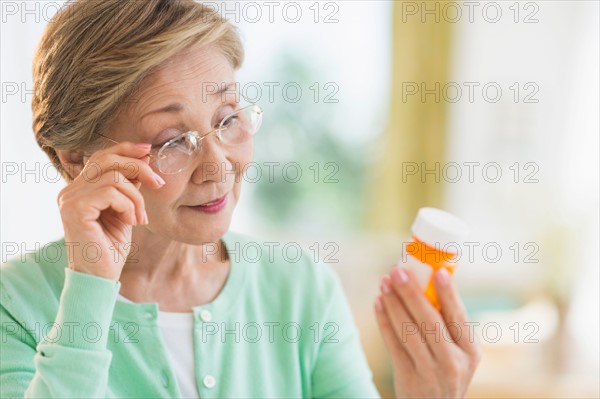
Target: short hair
<point>94,53</point>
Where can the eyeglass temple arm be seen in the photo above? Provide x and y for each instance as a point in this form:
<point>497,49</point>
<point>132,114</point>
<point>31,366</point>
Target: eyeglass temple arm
<point>118,142</point>
<point>108,138</point>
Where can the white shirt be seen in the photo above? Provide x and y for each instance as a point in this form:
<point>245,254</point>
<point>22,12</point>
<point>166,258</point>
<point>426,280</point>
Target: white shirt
<point>177,333</point>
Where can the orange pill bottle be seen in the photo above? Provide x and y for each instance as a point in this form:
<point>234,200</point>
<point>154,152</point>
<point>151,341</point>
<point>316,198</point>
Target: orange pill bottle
<point>436,242</point>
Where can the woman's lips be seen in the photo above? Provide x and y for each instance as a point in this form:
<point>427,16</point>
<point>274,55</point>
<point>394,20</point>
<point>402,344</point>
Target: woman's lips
<point>212,206</point>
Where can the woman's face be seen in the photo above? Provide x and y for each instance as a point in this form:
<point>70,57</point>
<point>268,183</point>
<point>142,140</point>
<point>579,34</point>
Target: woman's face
<point>216,170</point>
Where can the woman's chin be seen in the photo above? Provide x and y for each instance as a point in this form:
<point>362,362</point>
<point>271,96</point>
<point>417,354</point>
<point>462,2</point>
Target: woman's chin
<point>209,233</point>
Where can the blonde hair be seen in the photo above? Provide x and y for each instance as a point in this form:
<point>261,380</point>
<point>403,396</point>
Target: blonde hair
<point>94,53</point>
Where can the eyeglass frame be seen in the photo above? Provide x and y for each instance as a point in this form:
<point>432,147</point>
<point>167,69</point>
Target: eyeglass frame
<point>199,137</point>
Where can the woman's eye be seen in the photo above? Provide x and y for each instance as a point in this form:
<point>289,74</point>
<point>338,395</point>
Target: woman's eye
<point>231,116</point>
<point>159,145</point>
<point>170,135</point>
<point>230,120</point>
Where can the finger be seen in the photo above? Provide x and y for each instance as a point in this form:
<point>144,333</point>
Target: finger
<point>402,362</point>
<point>135,170</point>
<point>145,159</point>
<point>125,148</point>
<point>128,148</point>
<point>431,325</point>
<point>87,191</point>
<point>453,312</point>
<point>108,197</point>
<point>135,196</point>
<point>404,326</point>
<point>123,206</point>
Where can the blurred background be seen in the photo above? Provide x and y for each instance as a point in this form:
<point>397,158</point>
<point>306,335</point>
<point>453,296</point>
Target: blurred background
<point>374,109</point>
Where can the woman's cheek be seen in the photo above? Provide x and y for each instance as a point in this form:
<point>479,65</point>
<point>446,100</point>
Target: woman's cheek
<point>245,157</point>
<point>158,199</point>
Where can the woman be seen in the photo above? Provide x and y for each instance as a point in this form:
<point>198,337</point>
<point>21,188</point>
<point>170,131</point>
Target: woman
<point>147,294</point>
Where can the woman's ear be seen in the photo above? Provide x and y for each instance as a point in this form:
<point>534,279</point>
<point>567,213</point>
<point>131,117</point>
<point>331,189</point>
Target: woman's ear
<point>72,161</point>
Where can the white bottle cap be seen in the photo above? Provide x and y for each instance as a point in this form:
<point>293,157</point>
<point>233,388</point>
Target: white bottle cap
<point>439,228</point>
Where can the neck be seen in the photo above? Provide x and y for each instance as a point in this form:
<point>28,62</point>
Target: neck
<point>157,266</point>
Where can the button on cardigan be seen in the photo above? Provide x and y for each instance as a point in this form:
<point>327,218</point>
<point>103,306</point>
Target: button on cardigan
<point>280,328</point>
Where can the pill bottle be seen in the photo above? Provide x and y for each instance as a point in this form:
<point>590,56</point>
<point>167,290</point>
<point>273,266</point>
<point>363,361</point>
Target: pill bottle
<point>436,242</point>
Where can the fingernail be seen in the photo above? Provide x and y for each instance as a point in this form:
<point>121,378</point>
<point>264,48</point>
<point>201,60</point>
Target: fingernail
<point>443,277</point>
<point>385,286</point>
<point>400,276</point>
<point>378,304</point>
<point>159,180</point>
<point>145,217</point>
<point>144,146</point>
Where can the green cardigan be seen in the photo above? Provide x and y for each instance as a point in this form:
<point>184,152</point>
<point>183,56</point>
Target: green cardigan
<point>281,327</point>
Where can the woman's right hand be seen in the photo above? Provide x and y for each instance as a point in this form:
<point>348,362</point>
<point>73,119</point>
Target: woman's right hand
<point>102,204</point>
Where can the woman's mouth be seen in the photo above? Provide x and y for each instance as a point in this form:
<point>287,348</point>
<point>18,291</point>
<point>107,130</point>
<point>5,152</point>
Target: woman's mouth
<point>213,206</point>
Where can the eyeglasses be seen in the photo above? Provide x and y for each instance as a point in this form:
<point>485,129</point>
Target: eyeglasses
<point>177,154</point>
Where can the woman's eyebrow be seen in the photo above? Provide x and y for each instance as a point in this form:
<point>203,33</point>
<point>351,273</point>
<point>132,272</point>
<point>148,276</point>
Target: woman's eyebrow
<point>178,107</point>
<point>171,108</point>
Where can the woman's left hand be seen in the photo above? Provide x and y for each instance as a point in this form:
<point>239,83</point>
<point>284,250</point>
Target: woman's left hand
<point>434,354</point>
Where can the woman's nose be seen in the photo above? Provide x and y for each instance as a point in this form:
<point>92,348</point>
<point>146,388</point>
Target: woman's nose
<point>211,163</point>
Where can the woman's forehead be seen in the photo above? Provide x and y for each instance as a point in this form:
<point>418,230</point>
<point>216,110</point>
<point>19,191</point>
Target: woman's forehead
<point>194,73</point>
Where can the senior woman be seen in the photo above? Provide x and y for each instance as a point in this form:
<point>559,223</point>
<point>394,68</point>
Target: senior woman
<point>147,294</point>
